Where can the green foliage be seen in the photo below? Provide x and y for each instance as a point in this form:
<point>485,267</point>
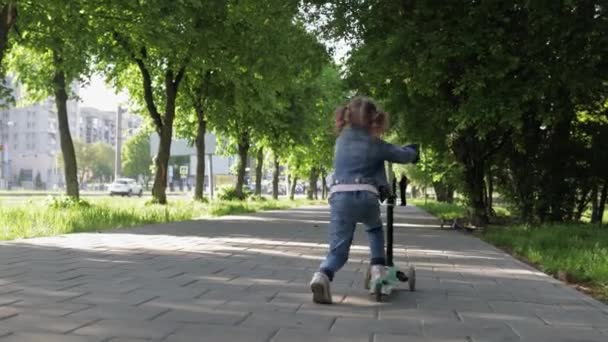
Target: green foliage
<point>314,147</point>
<point>136,160</point>
<point>444,211</point>
<point>229,193</point>
<point>257,198</point>
<point>95,161</point>
<point>580,251</point>
<point>54,36</point>
<point>65,202</point>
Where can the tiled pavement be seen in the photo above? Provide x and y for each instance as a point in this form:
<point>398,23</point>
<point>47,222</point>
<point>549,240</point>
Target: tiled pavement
<point>244,278</point>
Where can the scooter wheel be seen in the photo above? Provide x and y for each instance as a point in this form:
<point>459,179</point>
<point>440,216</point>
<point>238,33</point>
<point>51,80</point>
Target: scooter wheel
<point>378,292</point>
<point>401,276</point>
<point>367,279</point>
<point>411,275</point>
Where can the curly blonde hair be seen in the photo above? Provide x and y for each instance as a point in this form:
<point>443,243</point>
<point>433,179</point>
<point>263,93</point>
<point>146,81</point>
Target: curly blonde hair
<point>361,112</point>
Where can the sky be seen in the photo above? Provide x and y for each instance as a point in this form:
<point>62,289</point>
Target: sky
<point>98,95</point>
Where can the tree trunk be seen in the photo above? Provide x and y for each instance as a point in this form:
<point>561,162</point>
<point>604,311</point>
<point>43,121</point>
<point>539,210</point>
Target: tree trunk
<point>440,191</point>
<point>602,204</point>
<point>450,194</point>
<point>275,177</point>
<point>161,161</point>
<point>294,183</point>
<point>312,183</point>
<point>467,149</point>
<point>8,16</point>
<point>582,203</point>
<point>475,185</point>
<point>258,171</point>
<point>323,184</point>
<point>164,125</point>
<point>415,191</point>
<point>67,145</point>
<point>595,204</point>
<point>243,150</point>
<point>199,187</point>
<point>489,192</point>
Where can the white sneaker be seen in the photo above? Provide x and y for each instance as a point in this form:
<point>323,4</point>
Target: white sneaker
<point>377,273</point>
<point>319,285</point>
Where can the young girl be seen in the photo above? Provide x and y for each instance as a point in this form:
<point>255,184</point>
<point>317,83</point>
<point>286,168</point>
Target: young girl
<point>358,174</point>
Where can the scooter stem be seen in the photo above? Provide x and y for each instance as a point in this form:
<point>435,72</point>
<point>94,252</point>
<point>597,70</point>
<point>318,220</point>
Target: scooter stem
<point>390,204</point>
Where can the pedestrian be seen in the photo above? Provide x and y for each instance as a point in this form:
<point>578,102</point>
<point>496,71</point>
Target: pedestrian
<point>358,181</point>
<point>403,189</point>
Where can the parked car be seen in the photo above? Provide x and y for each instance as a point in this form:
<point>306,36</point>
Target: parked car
<point>125,187</point>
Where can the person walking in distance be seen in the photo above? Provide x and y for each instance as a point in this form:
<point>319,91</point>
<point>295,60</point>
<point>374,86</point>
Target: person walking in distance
<point>402,189</point>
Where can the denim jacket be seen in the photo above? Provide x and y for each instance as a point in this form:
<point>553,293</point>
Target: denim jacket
<point>359,158</point>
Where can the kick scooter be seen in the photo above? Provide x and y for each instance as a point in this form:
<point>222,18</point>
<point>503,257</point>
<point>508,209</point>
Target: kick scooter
<point>385,285</point>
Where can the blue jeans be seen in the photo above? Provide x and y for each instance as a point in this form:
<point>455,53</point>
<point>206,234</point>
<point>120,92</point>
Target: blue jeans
<point>348,209</point>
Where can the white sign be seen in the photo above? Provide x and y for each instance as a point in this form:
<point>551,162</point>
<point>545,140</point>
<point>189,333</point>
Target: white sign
<point>183,171</point>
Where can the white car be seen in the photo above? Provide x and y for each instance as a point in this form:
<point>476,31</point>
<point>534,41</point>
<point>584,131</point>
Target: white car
<point>125,187</point>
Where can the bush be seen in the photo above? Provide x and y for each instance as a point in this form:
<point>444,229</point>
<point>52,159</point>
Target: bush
<point>444,211</point>
<point>257,198</point>
<point>229,194</point>
<point>203,200</point>
<point>65,202</point>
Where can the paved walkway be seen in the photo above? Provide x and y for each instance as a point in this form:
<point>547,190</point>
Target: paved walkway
<point>245,279</point>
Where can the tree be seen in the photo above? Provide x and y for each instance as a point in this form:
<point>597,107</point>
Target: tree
<point>146,50</point>
<point>136,157</point>
<point>53,52</point>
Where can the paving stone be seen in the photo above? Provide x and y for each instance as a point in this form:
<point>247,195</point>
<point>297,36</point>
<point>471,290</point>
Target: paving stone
<point>587,316</point>
<point>117,311</point>
<point>127,329</point>
<point>289,321</point>
<point>348,325</point>
<point>482,330</point>
<point>212,316</point>
<point>39,323</point>
<point>536,332</point>
<point>408,338</point>
<point>7,312</point>
<point>208,332</point>
<point>287,335</point>
<point>42,337</point>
